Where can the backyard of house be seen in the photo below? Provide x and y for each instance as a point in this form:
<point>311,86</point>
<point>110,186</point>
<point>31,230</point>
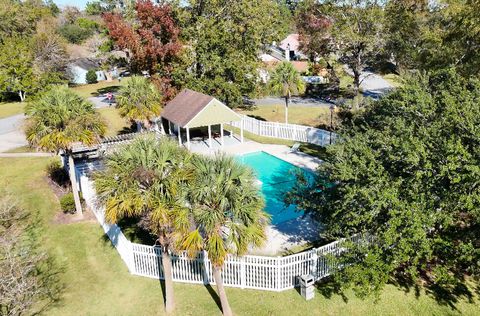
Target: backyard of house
<point>92,273</point>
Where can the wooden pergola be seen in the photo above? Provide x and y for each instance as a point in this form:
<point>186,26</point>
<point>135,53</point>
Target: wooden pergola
<point>191,109</point>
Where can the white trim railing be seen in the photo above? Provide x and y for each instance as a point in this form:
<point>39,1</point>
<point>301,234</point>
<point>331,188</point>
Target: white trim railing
<point>252,272</point>
<point>300,133</point>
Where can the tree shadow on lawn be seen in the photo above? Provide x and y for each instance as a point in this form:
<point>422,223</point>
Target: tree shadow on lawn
<point>443,295</point>
<point>128,129</point>
<point>105,90</point>
<point>150,240</point>
<point>328,287</point>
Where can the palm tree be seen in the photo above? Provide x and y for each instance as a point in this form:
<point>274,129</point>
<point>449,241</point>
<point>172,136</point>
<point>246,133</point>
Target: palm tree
<point>285,81</point>
<point>228,214</point>
<point>148,179</point>
<point>59,119</point>
<point>139,101</point>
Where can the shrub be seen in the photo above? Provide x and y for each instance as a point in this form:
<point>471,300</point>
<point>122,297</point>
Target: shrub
<point>87,24</point>
<point>67,203</point>
<point>91,76</point>
<point>58,174</point>
<point>94,8</point>
<point>74,33</point>
<point>107,46</point>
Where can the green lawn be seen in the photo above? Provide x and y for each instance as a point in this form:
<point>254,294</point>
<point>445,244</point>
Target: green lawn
<point>302,115</point>
<point>89,90</point>
<point>96,282</point>
<point>393,79</point>
<point>11,108</point>
<point>22,149</point>
<point>115,123</point>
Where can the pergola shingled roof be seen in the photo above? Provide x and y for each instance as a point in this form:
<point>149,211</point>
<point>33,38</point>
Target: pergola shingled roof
<point>193,109</point>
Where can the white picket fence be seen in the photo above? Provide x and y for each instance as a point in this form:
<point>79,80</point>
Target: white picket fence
<point>293,132</point>
<point>253,272</point>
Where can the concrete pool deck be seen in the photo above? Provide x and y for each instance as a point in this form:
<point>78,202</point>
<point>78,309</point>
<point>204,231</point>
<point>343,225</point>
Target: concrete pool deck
<point>298,158</point>
<point>288,234</point>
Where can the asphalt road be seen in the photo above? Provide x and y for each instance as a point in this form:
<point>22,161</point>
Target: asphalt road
<point>11,132</point>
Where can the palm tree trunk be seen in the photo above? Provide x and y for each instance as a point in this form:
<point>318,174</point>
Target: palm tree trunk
<point>217,276</point>
<point>287,97</point>
<point>73,181</point>
<point>167,272</point>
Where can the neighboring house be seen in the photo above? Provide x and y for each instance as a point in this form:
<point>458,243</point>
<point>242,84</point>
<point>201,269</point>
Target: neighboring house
<point>78,69</point>
<point>287,50</point>
<point>291,46</point>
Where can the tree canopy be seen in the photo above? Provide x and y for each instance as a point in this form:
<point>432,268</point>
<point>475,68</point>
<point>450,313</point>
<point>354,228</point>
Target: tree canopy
<point>61,118</point>
<point>406,172</point>
<point>223,40</point>
<point>152,40</point>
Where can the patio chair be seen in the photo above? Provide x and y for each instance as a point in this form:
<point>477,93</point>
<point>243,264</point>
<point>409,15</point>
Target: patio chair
<point>294,148</point>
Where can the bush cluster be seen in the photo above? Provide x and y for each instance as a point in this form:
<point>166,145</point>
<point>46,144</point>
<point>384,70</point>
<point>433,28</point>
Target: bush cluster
<point>58,174</point>
<point>74,33</point>
<point>67,203</point>
<point>91,76</point>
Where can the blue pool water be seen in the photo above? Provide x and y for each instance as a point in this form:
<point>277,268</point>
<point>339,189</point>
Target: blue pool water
<point>277,177</point>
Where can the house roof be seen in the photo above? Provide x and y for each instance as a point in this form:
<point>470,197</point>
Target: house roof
<point>194,109</point>
<point>291,39</point>
<point>85,63</point>
<point>300,66</point>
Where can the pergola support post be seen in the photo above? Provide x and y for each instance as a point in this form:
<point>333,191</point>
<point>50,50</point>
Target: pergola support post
<point>210,136</point>
<point>179,131</point>
<point>241,131</point>
<point>221,134</point>
<point>188,137</point>
<point>169,128</point>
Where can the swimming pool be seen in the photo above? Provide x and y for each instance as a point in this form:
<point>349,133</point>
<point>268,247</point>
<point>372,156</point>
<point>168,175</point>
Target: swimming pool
<point>277,177</point>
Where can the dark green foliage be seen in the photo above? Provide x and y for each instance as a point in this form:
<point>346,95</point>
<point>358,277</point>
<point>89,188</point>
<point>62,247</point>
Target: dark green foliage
<point>224,39</point>
<point>87,24</point>
<point>91,76</point>
<point>54,9</point>
<point>406,171</point>
<point>107,46</point>
<point>74,33</point>
<point>58,174</point>
<point>67,203</point>
<point>94,8</point>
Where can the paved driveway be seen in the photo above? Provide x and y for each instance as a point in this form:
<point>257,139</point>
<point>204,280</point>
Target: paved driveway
<point>101,101</point>
<point>294,101</point>
<point>374,85</point>
<point>11,132</point>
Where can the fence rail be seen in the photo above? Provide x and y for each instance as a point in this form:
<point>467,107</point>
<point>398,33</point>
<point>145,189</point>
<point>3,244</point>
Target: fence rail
<point>253,272</point>
<point>293,132</point>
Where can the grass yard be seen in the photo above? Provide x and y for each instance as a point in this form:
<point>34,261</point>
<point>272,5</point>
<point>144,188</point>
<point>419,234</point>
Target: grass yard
<point>11,108</point>
<point>393,79</point>
<point>90,90</point>
<point>96,282</point>
<point>22,149</point>
<point>115,123</point>
<point>302,115</point>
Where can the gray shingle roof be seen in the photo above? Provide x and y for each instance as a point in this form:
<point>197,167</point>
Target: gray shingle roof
<point>185,106</point>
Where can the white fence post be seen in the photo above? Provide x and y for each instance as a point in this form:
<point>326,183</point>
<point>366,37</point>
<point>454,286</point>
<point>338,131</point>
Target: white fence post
<point>206,271</point>
<point>243,276</point>
<point>314,269</point>
<point>278,274</point>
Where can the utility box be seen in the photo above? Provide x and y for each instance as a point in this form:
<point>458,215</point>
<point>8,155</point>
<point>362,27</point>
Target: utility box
<point>307,286</point>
